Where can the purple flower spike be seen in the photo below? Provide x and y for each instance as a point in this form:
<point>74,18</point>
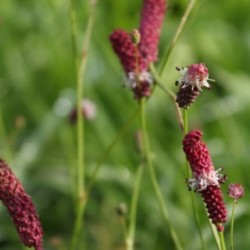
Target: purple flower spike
<point>126,51</point>
<point>140,48</point>
<point>206,180</point>
<point>152,17</point>
<point>21,208</point>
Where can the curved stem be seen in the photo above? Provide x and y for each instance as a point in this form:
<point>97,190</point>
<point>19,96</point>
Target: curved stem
<point>109,148</point>
<point>168,92</point>
<point>232,226</point>
<point>154,182</point>
<point>177,35</point>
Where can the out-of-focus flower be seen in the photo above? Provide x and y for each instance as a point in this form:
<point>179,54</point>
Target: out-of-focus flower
<point>21,208</point>
<point>88,111</point>
<point>152,17</point>
<point>236,191</point>
<point>138,49</point>
<point>206,180</point>
<point>194,79</point>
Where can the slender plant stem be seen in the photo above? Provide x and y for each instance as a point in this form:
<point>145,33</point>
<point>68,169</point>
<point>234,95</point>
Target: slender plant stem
<point>124,227</point>
<point>194,205</point>
<point>133,208</point>
<point>154,182</point>
<point>222,241</point>
<point>170,93</point>
<point>232,226</point>
<point>79,76</point>
<point>177,36</point>
<point>109,148</point>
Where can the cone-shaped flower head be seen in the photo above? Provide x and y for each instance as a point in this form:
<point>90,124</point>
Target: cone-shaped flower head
<point>206,180</point>
<point>21,208</point>
<point>194,79</point>
<point>235,191</point>
<point>138,49</point>
<point>138,78</point>
<point>152,17</point>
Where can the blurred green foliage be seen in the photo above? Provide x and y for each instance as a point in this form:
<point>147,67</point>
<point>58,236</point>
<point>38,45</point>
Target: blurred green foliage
<point>38,91</point>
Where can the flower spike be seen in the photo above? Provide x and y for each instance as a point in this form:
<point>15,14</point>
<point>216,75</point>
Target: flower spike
<point>194,79</point>
<point>140,48</point>
<point>206,180</point>
<point>152,17</point>
<point>20,208</point>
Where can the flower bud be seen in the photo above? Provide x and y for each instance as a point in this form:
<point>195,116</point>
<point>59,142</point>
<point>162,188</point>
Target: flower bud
<point>236,191</point>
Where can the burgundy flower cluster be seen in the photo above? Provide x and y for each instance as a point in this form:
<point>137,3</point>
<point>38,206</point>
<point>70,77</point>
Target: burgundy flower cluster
<point>20,208</point>
<point>135,58</point>
<point>194,79</point>
<point>206,180</point>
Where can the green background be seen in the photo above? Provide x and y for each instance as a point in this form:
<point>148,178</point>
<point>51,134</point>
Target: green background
<point>37,91</point>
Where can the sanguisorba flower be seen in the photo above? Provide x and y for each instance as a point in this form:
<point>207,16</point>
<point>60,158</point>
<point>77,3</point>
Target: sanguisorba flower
<point>136,54</point>
<point>194,79</point>
<point>152,17</point>
<point>20,208</point>
<point>236,191</point>
<point>206,180</point>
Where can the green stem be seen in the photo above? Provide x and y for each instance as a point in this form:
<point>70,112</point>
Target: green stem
<point>194,205</point>
<point>79,76</point>
<point>177,35</point>
<point>168,92</point>
<point>154,182</point>
<point>109,148</point>
<point>232,226</point>
<point>133,208</point>
<point>222,241</point>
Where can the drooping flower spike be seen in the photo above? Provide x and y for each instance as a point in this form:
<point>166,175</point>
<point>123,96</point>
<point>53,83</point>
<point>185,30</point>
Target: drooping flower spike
<point>140,48</point>
<point>194,79</point>
<point>206,180</point>
<point>20,208</point>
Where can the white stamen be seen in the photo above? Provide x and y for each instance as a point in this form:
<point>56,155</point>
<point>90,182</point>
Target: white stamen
<point>133,79</point>
<point>203,181</point>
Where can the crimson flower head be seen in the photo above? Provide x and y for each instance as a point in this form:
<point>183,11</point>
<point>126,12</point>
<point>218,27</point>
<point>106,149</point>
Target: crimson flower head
<point>194,79</point>
<point>20,208</point>
<point>236,191</point>
<point>152,17</point>
<point>140,48</point>
<point>206,180</point>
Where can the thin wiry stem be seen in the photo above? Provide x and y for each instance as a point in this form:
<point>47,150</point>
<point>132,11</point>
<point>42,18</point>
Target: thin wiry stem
<point>155,184</point>
<point>79,76</point>
<point>232,226</point>
<point>109,148</point>
<point>133,209</point>
<point>170,93</point>
<point>177,36</point>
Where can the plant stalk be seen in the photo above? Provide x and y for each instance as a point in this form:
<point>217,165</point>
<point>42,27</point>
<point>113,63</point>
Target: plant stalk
<point>154,182</point>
